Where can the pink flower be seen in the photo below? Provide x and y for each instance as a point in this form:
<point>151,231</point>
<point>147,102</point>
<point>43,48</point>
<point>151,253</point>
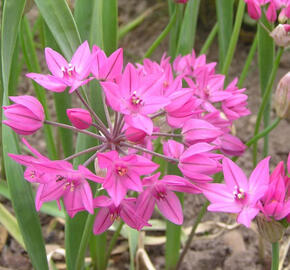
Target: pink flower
<point>198,130</point>
<point>173,149</point>
<point>65,74</point>
<point>197,162</point>
<point>107,68</point>
<point>109,212</point>
<point>161,193</point>
<point>254,9</point>
<point>57,179</point>
<point>276,203</point>
<point>26,116</point>
<point>136,97</point>
<point>230,145</point>
<point>238,195</point>
<point>124,173</point>
<point>80,118</point>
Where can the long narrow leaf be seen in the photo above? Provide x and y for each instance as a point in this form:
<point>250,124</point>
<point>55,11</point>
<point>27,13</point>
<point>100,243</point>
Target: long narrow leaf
<point>61,23</point>
<point>110,25</point>
<point>96,32</point>
<point>224,10</point>
<point>188,27</point>
<point>83,11</point>
<point>20,190</point>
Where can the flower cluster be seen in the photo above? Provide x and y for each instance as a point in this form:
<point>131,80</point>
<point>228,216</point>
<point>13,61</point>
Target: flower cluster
<point>254,9</point>
<point>183,106</point>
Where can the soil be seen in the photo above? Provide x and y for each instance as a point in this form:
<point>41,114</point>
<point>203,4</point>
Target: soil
<point>228,248</point>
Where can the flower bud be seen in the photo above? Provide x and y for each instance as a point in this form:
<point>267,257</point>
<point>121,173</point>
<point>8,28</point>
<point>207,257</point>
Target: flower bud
<point>79,118</point>
<point>26,116</point>
<point>231,145</point>
<point>282,97</point>
<point>281,36</point>
<point>181,1</point>
<point>270,230</point>
<point>135,135</point>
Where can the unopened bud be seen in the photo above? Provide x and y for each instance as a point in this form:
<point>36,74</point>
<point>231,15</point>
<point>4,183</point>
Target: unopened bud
<point>270,230</point>
<point>79,118</point>
<point>282,97</point>
<point>181,1</point>
<point>281,35</point>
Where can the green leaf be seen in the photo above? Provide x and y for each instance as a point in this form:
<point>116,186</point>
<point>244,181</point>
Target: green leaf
<point>224,10</point>
<point>110,25</point>
<point>188,28</point>
<point>21,193</point>
<point>61,23</point>
<point>96,32</point>
<point>83,11</point>
<point>10,223</point>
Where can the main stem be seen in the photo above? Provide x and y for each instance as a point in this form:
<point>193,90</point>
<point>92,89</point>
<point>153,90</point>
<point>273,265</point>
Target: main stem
<point>275,256</point>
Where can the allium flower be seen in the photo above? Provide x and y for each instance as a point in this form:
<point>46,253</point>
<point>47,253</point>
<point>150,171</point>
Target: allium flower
<point>136,97</point>
<point>238,195</point>
<point>64,74</point>
<point>161,193</point>
<point>124,173</point>
<point>80,118</point>
<point>57,179</point>
<point>26,116</point>
<point>109,212</point>
<point>276,202</point>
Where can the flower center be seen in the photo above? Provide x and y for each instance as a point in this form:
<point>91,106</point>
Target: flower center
<point>121,170</point>
<point>161,195</point>
<point>68,71</point>
<point>239,193</point>
<point>135,100</point>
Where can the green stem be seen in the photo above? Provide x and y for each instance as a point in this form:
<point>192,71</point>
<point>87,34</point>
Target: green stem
<point>125,29</point>
<point>234,38</point>
<point>265,99</point>
<point>161,36</point>
<point>264,132</point>
<point>113,241</point>
<point>275,256</point>
<point>209,39</point>
<point>248,62</point>
<point>84,242</point>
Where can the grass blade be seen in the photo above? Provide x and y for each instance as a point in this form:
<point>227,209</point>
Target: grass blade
<point>224,10</point>
<point>83,11</point>
<point>188,28</point>
<point>110,25</point>
<point>10,223</point>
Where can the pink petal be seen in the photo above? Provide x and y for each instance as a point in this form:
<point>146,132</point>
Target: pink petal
<point>115,64</point>
<point>141,122</point>
<point>259,178</point>
<point>171,208</point>
<point>132,181</point>
<point>81,60</point>
<point>247,215</point>
<point>234,176</point>
<point>49,82</point>
<point>143,166</point>
<point>89,175</point>
<point>103,221</point>
<point>145,204</point>
<point>55,62</point>
<point>106,159</point>
<point>196,149</point>
<point>115,188</point>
